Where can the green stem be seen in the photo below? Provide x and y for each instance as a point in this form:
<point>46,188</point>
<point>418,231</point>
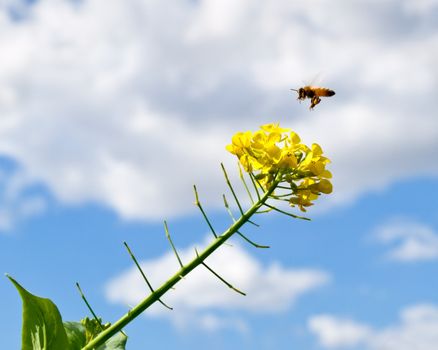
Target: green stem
<point>277,196</point>
<point>244,183</point>
<point>251,176</point>
<point>251,242</point>
<point>286,213</point>
<point>198,204</point>
<point>89,306</point>
<point>183,271</point>
<point>231,188</point>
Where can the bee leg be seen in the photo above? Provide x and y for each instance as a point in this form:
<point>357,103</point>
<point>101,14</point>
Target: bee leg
<point>314,101</point>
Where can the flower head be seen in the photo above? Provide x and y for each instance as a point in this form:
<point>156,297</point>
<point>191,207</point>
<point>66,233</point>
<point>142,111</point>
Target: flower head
<point>276,155</point>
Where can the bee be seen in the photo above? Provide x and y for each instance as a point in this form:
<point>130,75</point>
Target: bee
<point>314,93</point>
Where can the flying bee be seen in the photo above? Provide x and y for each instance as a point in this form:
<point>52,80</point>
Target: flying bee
<point>314,93</point>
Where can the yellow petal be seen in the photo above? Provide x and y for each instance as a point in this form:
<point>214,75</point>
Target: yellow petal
<point>294,138</point>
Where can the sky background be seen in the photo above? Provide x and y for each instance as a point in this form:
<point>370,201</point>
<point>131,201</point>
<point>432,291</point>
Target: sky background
<point>111,110</point>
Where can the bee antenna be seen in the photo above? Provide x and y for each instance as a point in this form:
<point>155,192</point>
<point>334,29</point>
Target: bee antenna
<point>294,90</point>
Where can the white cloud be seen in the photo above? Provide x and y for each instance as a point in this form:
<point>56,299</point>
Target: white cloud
<point>421,7</point>
<point>208,321</point>
<point>417,329</point>
<point>130,103</point>
<point>336,332</point>
<point>17,202</point>
<point>269,289</point>
<point>410,240</point>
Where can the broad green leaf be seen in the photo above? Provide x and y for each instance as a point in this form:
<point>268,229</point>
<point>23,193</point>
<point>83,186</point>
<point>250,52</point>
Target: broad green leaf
<point>43,328</point>
<point>42,323</point>
<point>116,342</point>
<point>93,327</point>
<point>75,334</point>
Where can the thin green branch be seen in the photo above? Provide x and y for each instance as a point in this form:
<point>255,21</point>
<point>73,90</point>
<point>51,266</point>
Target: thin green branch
<point>251,242</point>
<point>183,271</point>
<point>231,188</point>
<point>284,187</point>
<point>281,199</point>
<point>229,285</point>
<point>244,182</point>
<point>198,204</point>
<point>251,176</point>
<point>258,183</point>
<point>89,306</point>
<point>286,213</point>
<point>264,211</point>
<point>143,275</point>
<point>253,223</point>
<point>228,208</point>
<point>171,243</point>
<point>278,196</point>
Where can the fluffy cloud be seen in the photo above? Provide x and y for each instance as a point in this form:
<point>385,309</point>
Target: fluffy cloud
<point>416,329</point>
<point>17,198</point>
<point>412,241</point>
<point>336,332</point>
<point>269,289</point>
<point>130,103</point>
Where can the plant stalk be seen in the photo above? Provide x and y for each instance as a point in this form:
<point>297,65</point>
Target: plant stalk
<point>156,295</point>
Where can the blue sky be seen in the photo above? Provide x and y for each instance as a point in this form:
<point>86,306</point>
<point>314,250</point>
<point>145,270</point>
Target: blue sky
<point>111,111</point>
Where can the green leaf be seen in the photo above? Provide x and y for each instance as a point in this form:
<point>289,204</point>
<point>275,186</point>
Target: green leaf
<point>42,324</point>
<point>93,327</point>
<point>43,328</point>
<point>75,334</point>
<point>116,342</point>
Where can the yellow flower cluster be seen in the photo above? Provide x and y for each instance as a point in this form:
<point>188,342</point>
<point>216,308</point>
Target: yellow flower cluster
<point>275,155</point>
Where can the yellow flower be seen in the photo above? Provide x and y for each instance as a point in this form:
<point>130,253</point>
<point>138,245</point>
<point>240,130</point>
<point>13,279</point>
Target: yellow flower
<point>240,141</point>
<point>273,128</point>
<point>276,155</point>
<point>288,159</point>
<point>302,200</point>
<point>322,186</point>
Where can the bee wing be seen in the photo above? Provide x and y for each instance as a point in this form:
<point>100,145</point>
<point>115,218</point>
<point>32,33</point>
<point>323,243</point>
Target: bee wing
<point>316,80</point>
